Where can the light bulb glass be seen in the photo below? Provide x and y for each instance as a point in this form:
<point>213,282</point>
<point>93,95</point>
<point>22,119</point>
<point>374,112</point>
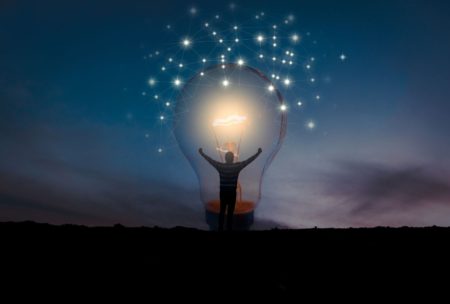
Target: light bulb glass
<point>240,117</point>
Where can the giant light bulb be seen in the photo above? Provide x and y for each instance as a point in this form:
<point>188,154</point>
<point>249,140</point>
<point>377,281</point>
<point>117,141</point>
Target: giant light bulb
<point>233,108</point>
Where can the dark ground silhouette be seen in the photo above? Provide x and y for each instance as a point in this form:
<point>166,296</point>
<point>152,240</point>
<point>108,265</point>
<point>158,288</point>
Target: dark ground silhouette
<point>342,263</point>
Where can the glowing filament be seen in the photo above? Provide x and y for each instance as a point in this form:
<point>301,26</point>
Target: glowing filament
<point>229,121</point>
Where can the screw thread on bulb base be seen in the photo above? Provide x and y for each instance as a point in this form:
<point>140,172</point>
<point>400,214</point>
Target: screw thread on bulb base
<point>241,221</point>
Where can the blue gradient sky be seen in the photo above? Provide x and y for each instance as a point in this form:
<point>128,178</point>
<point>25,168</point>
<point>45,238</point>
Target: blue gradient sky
<point>72,118</point>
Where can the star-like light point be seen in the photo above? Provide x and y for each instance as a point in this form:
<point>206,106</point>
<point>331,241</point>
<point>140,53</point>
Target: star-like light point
<point>177,82</point>
<point>295,38</point>
<point>186,42</point>
<point>311,125</point>
<point>193,11</point>
<point>260,38</point>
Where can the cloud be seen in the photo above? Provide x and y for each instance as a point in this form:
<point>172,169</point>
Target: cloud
<point>89,173</point>
<point>78,175</point>
<point>93,173</point>
<point>106,202</point>
<point>378,189</point>
<point>302,193</point>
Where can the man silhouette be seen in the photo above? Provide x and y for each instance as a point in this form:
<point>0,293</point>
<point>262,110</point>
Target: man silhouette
<point>229,173</point>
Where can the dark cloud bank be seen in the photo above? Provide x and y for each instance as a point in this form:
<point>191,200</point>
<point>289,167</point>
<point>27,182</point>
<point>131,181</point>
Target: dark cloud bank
<point>378,188</point>
<point>405,194</point>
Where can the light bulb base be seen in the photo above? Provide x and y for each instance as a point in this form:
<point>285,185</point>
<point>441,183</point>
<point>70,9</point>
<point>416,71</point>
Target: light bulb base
<point>241,221</point>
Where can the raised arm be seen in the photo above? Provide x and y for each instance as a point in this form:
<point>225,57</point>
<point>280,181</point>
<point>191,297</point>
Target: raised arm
<point>209,159</point>
<point>250,159</point>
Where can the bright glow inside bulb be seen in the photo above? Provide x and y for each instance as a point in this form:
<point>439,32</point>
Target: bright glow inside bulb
<point>239,119</point>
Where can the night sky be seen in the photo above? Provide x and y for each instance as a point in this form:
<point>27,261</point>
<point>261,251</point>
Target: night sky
<point>79,142</point>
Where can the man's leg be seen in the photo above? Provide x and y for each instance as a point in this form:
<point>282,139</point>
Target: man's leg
<point>231,203</point>
<point>223,207</point>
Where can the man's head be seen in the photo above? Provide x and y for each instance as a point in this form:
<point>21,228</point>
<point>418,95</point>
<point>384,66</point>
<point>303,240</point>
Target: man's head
<point>229,157</point>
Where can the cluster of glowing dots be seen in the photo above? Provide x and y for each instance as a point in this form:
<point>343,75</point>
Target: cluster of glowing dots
<point>270,49</point>
<point>285,59</point>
